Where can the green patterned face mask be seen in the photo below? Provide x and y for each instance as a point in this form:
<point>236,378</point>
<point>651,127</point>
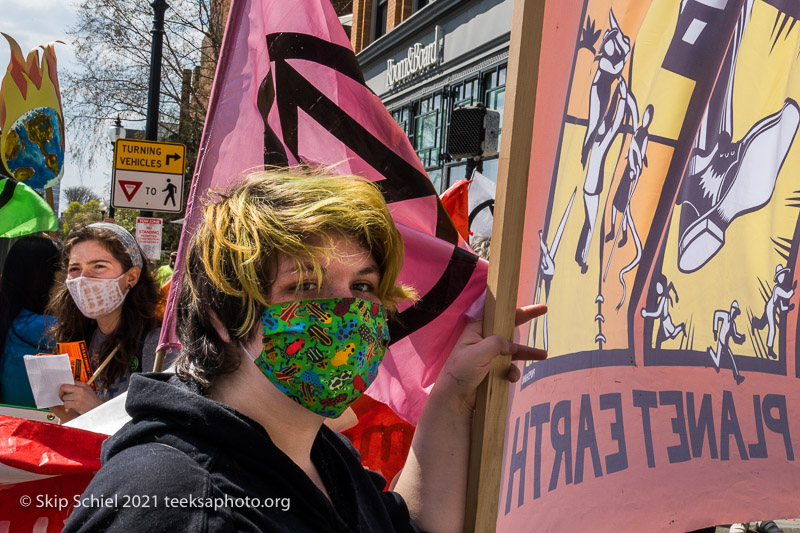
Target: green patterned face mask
<point>324,353</point>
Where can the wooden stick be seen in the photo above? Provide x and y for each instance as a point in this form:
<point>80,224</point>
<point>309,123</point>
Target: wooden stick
<point>488,425</point>
<point>48,194</point>
<point>158,364</point>
<point>103,365</point>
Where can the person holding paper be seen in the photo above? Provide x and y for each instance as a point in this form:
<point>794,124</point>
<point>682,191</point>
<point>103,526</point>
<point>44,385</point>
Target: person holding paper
<point>28,276</point>
<point>108,300</point>
<point>282,319</point>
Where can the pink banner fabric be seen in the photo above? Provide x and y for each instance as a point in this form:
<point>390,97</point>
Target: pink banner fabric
<point>288,90</point>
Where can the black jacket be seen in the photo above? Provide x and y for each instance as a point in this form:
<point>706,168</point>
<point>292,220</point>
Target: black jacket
<point>187,463</point>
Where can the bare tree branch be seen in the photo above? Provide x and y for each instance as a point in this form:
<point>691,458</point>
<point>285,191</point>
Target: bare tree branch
<point>112,43</point>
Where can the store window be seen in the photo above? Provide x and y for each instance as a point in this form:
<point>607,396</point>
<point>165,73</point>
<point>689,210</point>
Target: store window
<point>381,17</point>
<point>456,171</point>
<point>403,118</point>
<point>425,123</point>
<point>435,175</point>
<point>464,93</point>
<point>489,168</point>
<point>419,4</point>
<point>428,130</point>
<point>494,86</point>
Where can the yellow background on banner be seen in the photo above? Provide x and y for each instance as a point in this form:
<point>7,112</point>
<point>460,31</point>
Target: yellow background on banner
<point>748,259</point>
<point>744,267</point>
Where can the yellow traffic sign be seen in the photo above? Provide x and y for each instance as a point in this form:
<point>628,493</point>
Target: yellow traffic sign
<point>150,156</point>
<point>148,175</point>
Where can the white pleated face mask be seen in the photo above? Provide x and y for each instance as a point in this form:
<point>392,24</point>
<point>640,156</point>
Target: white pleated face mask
<point>96,297</point>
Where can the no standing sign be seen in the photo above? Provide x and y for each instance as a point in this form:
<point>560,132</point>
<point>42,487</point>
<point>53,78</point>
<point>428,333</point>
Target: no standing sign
<point>148,175</point>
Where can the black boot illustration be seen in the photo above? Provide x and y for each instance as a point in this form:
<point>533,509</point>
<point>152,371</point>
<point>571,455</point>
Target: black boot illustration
<point>729,180</point>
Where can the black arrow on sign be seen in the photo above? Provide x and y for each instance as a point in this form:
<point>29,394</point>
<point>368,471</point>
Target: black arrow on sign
<point>173,156</point>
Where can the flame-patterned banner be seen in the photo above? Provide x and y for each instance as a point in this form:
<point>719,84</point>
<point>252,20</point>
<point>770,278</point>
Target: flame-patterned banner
<point>667,252</point>
<point>31,118</point>
<point>32,142</point>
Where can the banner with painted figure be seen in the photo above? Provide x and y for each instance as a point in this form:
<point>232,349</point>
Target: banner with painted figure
<point>288,90</point>
<point>32,142</point>
<point>666,248</point>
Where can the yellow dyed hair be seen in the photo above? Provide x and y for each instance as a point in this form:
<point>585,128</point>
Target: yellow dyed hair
<point>297,213</point>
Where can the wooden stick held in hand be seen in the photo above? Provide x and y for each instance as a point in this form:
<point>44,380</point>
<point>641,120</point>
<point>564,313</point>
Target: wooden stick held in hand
<point>103,365</point>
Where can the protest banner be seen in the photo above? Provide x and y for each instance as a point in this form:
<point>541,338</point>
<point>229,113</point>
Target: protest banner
<point>288,91</point>
<point>32,144</point>
<point>44,468</point>
<point>661,230</point>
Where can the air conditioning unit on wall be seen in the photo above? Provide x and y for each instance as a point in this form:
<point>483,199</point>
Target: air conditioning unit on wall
<point>473,132</point>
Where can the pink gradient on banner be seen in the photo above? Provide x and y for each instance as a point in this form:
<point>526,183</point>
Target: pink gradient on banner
<point>740,488</point>
<point>412,362</point>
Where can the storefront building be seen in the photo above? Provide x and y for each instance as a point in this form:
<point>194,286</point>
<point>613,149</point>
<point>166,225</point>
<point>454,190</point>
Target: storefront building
<point>442,54</point>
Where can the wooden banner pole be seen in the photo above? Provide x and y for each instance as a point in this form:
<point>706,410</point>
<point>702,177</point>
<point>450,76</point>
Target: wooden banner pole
<point>158,364</point>
<point>488,426</point>
<point>48,194</point>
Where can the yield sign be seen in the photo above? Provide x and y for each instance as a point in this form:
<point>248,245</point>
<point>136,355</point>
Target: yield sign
<point>129,188</point>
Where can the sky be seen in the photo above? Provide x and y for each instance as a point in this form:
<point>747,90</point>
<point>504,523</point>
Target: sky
<point>37,22</point>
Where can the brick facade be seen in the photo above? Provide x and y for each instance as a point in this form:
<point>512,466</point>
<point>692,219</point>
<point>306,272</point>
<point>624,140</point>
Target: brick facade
<point>361,32</point>
<point>399,10</point>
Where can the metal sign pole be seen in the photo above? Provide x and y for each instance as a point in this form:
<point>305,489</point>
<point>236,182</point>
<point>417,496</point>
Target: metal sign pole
<point>151,127</point>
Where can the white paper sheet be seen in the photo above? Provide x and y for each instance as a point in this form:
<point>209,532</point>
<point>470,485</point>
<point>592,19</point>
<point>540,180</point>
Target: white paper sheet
<point>46,374</point>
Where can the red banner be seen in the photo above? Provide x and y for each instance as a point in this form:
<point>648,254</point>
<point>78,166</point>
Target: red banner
<point>44,469</point>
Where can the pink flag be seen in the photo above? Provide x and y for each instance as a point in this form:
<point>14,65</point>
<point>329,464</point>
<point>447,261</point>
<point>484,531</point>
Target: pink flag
<point>288,90</point>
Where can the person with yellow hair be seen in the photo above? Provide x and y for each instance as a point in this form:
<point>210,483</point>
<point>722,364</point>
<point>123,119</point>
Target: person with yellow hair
<point>289,280</point>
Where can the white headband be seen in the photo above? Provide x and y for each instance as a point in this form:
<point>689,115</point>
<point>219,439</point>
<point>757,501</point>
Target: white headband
<point>127,240</point>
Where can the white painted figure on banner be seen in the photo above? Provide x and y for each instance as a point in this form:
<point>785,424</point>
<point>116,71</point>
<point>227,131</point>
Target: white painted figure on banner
<point>776,305</point>
<point>608,105</point>
<point>667,329</point>
<point>726,179</point>
<point>724,330</point>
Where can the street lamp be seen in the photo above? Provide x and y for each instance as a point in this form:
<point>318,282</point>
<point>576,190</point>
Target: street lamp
<point>115,131</point>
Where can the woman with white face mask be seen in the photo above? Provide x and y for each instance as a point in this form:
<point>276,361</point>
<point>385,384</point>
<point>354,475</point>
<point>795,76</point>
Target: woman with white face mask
<point>108,300</point>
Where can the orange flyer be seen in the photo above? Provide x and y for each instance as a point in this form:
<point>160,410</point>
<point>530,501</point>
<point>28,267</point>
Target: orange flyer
<point>78,359</point>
